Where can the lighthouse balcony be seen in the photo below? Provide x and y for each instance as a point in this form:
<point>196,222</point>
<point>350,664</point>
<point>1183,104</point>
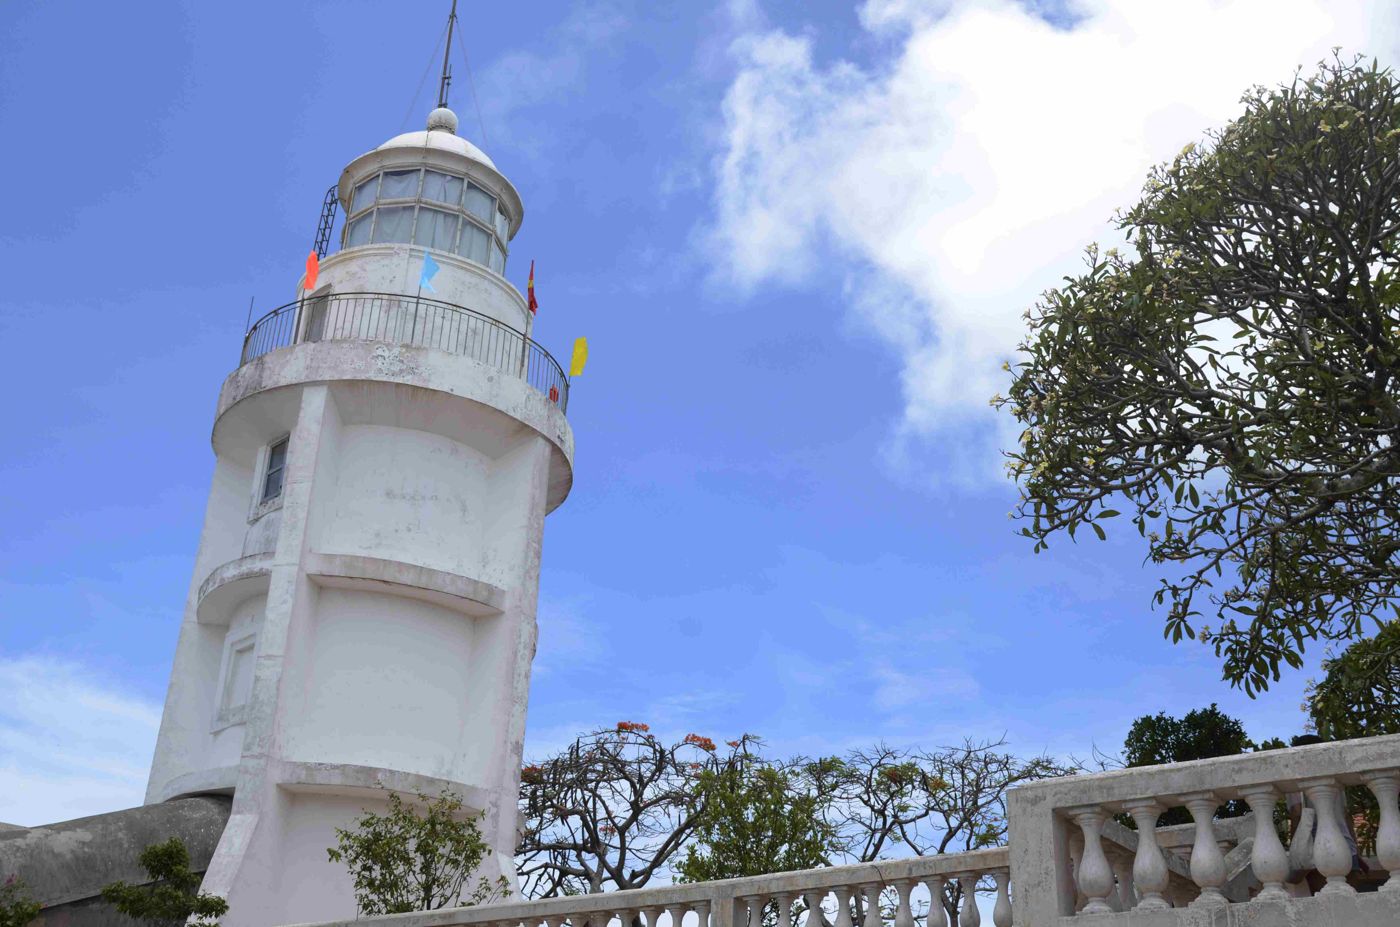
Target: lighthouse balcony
<point>412,320</point>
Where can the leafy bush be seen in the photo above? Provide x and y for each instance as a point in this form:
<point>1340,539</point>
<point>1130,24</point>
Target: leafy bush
<point>173,896</point>
<point>411,860</point>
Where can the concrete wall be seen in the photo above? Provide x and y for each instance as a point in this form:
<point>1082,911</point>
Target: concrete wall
<point>65,865</point>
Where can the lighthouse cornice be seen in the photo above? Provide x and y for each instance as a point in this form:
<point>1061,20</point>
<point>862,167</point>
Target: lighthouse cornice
<point>448,394</point>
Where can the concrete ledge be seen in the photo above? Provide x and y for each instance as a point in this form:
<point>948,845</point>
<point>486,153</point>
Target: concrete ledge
<point>369,781</point>
<point>449,375</point>
<point>885,872</point>
<point>451,590</point>
<point>219,780</point>
<point>1346,760</point>
<point>1374,909</point>
<point>230,584</point>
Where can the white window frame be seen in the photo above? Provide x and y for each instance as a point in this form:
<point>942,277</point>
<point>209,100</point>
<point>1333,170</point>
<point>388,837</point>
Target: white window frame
<point>226,715</point>
<point>260,506</point>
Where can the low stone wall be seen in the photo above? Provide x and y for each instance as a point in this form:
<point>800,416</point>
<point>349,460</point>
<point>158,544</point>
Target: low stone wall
<point>65,865</point>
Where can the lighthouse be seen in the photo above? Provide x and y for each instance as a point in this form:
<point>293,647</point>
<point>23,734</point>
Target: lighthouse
<point>361,616</point>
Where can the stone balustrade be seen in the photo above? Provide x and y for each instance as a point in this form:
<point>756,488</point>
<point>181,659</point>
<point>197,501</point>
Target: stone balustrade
<point>863,895</point>
<point>1073,863</point>
<point>1069,863</point>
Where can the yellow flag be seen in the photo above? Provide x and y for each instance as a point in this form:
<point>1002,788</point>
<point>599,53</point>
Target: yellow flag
<point>580,357</point>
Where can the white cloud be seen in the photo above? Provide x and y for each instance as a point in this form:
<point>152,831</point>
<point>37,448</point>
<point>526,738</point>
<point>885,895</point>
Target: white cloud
<point>964,174</point>
<point>71,743</point>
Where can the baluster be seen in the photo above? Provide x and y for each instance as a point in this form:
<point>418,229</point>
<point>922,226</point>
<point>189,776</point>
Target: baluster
<point>1331,851</point>
<point>1386,786</point>
<point>702,913</point>
<point>904,914</point>
<point>1095,876</point>
<point>624,917</point>
<point>677,912</point>
<point>816,917</point>
<point>1207,862</point>
<point>937,915</point>
<point>1001,914</point>
<point>785,909</point>
<point>1269,859</point>
<point>969,916</point>
<point>843,906</point>
<point>872,905</point>
<point>653,916</point>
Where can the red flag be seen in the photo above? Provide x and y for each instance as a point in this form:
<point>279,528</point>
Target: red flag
<point>530,288</point>
<point>313,267</point>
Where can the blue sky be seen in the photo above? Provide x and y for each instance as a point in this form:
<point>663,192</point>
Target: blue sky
<point>799,237</point>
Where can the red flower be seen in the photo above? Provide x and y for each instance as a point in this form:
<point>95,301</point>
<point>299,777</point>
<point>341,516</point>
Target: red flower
<point>704,743</point>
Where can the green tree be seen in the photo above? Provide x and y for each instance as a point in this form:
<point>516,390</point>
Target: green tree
<point>1201,734</point>
<point>416,858</point>
<point>1359,695</point>
<point>17,907</point>
<point>1234,382</point>
<point>755,822</point>
<point>173,895</point>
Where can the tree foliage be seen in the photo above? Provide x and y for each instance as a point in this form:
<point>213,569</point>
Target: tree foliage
<point>1200,734</point>
<point>17,907</point>
<point>1233,383</point>
<point>886,800</point>
<point>620,805</point>
<point>613,808</point>
<point>1359,695</point>
<point>173,895</point>
<point>756,820</point>
<point>416,857</point>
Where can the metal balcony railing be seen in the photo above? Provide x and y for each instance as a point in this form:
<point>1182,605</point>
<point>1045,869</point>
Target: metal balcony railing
<point>419,321</point>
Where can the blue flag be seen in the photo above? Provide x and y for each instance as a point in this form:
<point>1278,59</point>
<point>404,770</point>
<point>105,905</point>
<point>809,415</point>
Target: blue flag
<point>430,267</point>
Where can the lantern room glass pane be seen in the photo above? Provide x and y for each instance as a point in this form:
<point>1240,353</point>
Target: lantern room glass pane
<point>364,194</point>
<point>474,243</point>
<point>436,229</point>
<point>398,185</point>
<point>502,225</point>
<point>444,188</point>
<point>393,223</point>
<point>480,203</point>
<point>498,258</point>
<point>357,232</point>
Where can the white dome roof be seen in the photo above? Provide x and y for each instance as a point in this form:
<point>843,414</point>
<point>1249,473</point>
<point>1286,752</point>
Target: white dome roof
<point>440,138</point>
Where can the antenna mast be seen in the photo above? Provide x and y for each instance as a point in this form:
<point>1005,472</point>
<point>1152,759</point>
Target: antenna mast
<point>446,62</point>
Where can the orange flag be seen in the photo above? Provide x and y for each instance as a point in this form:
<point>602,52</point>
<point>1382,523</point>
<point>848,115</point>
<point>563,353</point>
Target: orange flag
<point>313,267</point>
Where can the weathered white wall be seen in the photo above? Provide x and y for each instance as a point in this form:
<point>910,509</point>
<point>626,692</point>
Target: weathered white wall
<point>387,682</point>
<point>407,664</point>
<point>397,268</point>
<point>408,495</point>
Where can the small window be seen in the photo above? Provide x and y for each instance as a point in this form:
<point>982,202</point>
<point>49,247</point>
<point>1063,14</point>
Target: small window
<point>357,232</point>
<point>393,223</point>
<point>480,203</point>
<point>436,229</point>
<point>276,468</point>
<point>498,258</point>
<point>364,195</point>
<point>442,187</point>
<point>238,679</point>
<point>502,225</point>
<point>399,185</point>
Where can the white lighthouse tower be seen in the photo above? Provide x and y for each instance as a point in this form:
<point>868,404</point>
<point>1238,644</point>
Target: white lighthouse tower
<point>362,611</point>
